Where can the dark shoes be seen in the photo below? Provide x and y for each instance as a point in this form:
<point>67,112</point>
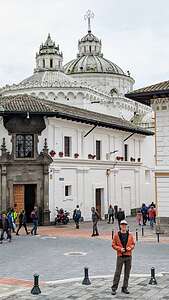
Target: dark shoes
<point>125,290</point>
<point>113,292</point>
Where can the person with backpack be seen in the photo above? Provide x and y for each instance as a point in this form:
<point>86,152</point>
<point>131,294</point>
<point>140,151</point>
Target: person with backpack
<point>144,211</point>
<point>95,219</point>
<point>77,216</point>
<point>34,217</point>
<point>22,222</point>
<point>123,243</point>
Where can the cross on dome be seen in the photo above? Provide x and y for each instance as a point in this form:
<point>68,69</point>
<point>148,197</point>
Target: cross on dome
<point>88,16</point>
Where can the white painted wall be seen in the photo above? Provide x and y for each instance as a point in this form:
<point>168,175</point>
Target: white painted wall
<point>85,175</point>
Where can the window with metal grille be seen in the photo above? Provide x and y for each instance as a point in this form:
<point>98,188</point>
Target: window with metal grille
<point>24,145</point>
<point>67,146</point>
<point>126,152</point>
<point>98,150</point>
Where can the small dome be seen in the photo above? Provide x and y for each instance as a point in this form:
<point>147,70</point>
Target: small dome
<point>46,78</point>
<point>92,64</point>
<point>90,37</point>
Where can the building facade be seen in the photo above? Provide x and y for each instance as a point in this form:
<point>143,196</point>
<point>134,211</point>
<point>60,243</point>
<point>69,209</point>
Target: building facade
<point>157,96</point>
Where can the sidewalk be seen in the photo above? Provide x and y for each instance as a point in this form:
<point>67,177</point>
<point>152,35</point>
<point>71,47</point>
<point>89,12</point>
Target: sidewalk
<point>100,289</point>
<point>105,230</point>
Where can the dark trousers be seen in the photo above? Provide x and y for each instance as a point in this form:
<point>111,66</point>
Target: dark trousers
<point>111,217</point>
<point>35,226</point>
<point>77,223</point>
<point>126,261</point>
<point>95,229</point>
<point>144,219</point>
<point>20,225</point>
<point>8,233</point>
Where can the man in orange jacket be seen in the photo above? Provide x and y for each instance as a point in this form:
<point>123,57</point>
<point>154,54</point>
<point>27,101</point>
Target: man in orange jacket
<point>123,243</point>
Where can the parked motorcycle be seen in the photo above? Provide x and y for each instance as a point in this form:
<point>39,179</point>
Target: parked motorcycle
<point>62,216</point>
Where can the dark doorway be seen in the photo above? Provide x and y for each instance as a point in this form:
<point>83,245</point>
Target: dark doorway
<point>98,201</point>
<point>30,197</point>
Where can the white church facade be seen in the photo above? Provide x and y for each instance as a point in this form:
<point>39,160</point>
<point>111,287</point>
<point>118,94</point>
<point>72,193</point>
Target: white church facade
<point>74,124</point>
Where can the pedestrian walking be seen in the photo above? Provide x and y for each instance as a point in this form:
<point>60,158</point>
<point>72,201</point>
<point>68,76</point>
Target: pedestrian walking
<point>11,220</point>
<point>120,216</point>
<point>139,217</point>
<point>34,217</point>
<point>77,216</point>
<point>95,219</point>
<point>144,211</point>
<point>22,222</point>
<point>110,214</point>
<point>123,243</point>
<point>152,216</point>
<point>5,227</point>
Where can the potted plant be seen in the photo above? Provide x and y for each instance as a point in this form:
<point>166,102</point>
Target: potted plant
<point>139,159</point>
<point>60,154</point>
<point>52,153</point>
<point>93,156</point>
<point>90,156</point>
<point>121,158</point>
<point>118,157</point>
<point>76,155</point>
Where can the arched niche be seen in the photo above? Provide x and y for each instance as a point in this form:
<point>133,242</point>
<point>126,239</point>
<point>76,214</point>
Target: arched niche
<point>61,96</point>
<point>70,96</point>
<point>80,96</point>
<point>42,95</point>
<point>51,96</point>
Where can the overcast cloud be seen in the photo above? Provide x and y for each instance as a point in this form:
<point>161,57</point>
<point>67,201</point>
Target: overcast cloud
<point>135,34</point>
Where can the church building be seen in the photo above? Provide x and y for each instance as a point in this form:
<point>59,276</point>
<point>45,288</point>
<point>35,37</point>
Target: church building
<point>70,136</point>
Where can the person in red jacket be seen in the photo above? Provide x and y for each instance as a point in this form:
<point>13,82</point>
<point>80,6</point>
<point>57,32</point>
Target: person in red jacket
<point>123,243</point>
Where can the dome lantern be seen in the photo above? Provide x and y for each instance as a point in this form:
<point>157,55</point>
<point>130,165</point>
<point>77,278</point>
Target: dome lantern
<point>49,57</point>
<point>89,44</point>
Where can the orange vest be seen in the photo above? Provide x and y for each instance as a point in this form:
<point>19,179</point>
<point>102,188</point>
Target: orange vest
<point>117,245</point>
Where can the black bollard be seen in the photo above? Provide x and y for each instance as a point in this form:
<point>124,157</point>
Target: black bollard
<point>36,290</point>
<point>153,280</point>
<point>158,237</point>
<point>142,231</point>
<point>136,235</point>
<point>112,234</point>
<point>86,280</point>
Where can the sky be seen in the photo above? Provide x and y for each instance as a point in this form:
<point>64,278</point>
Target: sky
<point>134,34</point>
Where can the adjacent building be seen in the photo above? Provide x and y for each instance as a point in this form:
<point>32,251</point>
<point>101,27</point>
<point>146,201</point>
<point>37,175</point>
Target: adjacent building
<point>157,96</point>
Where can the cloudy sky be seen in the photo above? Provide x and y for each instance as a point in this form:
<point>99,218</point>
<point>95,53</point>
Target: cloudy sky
<point>135,34</point>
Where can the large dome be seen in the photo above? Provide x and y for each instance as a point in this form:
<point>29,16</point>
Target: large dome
<point>92,64</point>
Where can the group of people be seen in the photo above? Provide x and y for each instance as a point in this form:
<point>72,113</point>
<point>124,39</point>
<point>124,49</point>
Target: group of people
<point>147,213</point>
<point>11,221</point>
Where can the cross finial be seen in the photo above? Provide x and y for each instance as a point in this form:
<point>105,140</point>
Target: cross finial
<point>88,16</point>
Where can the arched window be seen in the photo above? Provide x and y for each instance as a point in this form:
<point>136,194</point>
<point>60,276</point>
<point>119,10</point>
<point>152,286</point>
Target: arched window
<point>43,63</point>
<point>51,63</point>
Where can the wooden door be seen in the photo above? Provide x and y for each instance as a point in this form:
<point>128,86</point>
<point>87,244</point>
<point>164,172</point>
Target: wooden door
<point>98,201</point>
<point>18,193</point>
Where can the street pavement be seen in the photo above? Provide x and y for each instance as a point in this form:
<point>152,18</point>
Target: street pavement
<point>60,253</point>
<point>99,289</point>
